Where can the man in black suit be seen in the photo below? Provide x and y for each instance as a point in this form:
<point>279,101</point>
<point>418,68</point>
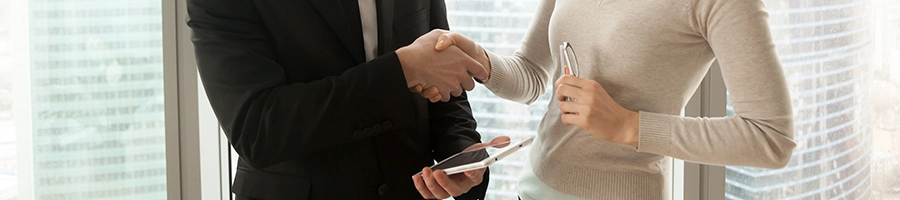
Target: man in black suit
<point>314,96</point>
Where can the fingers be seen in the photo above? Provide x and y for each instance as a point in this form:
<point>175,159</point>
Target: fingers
<point>432,93</point>
<point>477,71</point>
<point>475,176</point>
<point>456,93</point>
<point>437,184</point>
<point>473,67</point>
<point>417,89</point>
<point>571,108</point>
<point>449,185</point>
<point>500,140</point>
<point>433,186</point>
<point>467,84</point>
<point>435,98</point>
<point>469,47</point>
<point>495,141</point>
<point>571,119</point>
<point>445,96</point>
<point>572,80</point>
<point>565,90</point>
<point>456,39</point>
<point>421,187</point>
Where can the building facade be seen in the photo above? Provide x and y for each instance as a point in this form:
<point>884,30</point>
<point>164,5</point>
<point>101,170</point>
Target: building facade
<point>825,48</point>
<point>97,99</point>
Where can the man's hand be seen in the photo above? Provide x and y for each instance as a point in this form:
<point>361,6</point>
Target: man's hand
<point>446,40</point>
<point>449,71</point>
<point>436,184</point>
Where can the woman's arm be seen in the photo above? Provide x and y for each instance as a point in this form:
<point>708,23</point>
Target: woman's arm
<point>522,77</point>
<point>761,132</point>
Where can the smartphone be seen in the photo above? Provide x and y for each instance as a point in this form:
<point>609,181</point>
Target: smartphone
<point>478,158</point>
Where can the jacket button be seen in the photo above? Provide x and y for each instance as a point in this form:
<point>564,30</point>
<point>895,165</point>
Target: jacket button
<point>383,190</point>
<point>377,128</point>
<point>367,132</point>
<point>387,125</point>
<point>357,134</point>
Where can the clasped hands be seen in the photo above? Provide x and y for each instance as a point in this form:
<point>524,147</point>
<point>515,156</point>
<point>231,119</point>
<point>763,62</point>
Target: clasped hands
<point>443,66</point>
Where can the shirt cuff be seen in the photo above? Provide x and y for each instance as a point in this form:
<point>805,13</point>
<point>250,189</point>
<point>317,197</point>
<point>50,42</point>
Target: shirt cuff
<point>655,136</point>
<point>498,72</point>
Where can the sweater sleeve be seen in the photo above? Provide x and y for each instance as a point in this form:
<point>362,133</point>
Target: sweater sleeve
<point>524,76</point>
<point>761,132</point>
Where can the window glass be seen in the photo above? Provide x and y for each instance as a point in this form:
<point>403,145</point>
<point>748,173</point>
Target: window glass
<point>81,111</point>
<point>841,62</point>
<point>499,26</point>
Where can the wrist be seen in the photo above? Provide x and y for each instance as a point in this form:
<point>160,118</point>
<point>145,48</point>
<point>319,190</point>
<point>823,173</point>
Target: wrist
<point>632,129</point>
<point>403,54</point>
<point>486,63</point>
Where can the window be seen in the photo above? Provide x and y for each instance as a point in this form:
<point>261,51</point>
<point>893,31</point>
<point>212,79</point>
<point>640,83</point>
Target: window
<point>499,26</point>
<point>841,62</point>
<point>81,100</point>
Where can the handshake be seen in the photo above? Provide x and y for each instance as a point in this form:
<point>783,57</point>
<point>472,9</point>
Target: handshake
<point>441,64</point>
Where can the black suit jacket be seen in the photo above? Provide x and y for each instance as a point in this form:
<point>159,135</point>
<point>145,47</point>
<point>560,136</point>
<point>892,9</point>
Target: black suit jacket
<point>308,116</point>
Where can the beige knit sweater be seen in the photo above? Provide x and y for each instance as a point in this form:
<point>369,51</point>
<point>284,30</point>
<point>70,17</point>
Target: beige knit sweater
<point>650,55</point>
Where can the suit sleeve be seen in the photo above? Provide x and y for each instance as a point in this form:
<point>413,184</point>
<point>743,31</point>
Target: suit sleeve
<point>268,120</point>
<point>452,124</point>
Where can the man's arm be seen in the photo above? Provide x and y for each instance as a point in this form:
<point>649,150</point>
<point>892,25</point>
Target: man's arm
<point>269,120</point>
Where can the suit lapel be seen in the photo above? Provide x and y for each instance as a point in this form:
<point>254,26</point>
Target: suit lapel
<point>385,25</point>
<point>336,17</point>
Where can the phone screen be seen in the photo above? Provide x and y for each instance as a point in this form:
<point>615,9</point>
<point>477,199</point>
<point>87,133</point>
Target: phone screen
<point>462,158</point>
<point>467,157</point>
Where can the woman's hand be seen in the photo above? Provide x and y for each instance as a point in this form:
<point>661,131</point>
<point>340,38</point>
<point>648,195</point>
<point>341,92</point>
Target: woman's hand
<point>594,110</point>
<point>445,40</point>
<point>437,184</point>
<point>467,45</point>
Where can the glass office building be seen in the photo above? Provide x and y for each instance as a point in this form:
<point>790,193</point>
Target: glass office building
<point>96,83</point>
<point>825,47</point>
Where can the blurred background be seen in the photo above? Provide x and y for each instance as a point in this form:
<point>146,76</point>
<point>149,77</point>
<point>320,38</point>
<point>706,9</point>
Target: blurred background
<point>81,98</point>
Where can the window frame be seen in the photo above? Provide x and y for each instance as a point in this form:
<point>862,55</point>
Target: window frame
<point>22,94</point>
<point>197,159</point>
<point>694,180</point>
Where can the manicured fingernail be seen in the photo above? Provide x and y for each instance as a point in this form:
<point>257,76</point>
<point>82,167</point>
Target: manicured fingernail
<point>440,42</point>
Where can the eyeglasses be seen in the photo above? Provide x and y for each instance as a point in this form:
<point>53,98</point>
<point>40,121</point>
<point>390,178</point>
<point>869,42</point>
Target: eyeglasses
<point>568,62</point>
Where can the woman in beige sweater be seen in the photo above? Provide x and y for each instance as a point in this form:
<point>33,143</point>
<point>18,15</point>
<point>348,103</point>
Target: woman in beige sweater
<point>640,61</point>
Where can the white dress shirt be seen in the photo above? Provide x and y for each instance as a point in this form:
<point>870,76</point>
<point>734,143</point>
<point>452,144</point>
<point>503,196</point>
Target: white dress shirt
<point>369,18</point>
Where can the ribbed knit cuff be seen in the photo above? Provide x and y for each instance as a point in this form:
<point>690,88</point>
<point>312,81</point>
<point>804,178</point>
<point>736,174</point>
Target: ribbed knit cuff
<point>655,134</point>
<point>498,72</point>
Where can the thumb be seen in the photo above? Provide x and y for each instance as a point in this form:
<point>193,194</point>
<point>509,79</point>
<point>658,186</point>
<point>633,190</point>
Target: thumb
<point>444,41</point>
<point>500,140</point>
<point>465,43</point>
